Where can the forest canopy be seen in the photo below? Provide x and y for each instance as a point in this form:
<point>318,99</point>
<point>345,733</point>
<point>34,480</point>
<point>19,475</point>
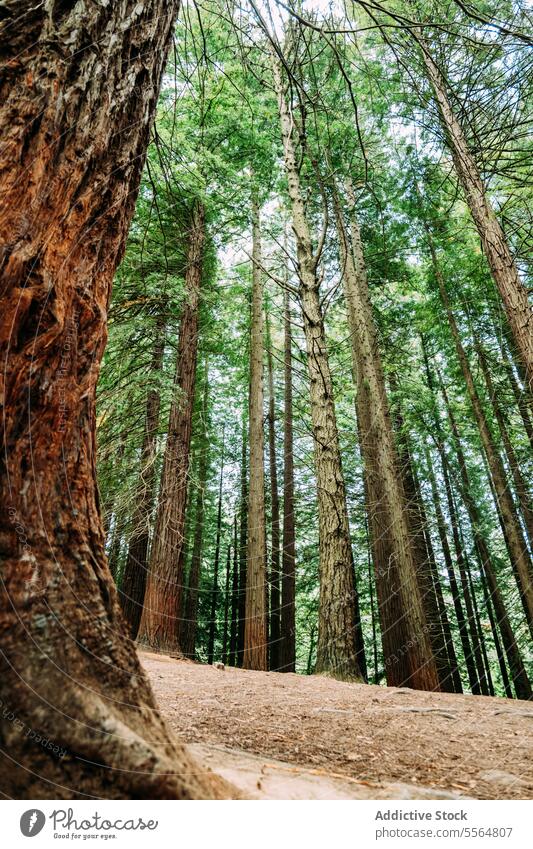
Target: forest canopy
<point>346,163</point>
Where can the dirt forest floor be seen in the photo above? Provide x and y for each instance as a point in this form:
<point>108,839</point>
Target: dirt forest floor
<point>291,736</point>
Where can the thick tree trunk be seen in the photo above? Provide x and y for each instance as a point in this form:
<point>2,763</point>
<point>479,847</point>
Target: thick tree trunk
<point>516,665</point>
<point>78,95</point>
<point>275,601</point>
<point>504,271</point>
<point>337,632</point>
<point>163,596</point>
<point>406,633</point>
<point>133,581</point>
<point>514,538</point>
<point>255,633</point>
<point>288,579</point>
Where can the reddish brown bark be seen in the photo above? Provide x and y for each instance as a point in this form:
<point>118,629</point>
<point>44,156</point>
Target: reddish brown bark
<point>133,583</point>
<point>406,633</point>
<point>78,94</point>
<point>255,626</point>
<point>288,557</point>
<point>275,597</point>
<point>162,601</point>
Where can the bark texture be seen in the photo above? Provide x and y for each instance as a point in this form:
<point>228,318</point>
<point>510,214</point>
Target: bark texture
<point>288,557</point>
<point>255,626</point>
<point>511,529</point>
<point>275,595</point>
<point>337,650</point>
<point>159,627</point>
<point>133,583</point>
<point>513,293</point>
<point>78,93</point>
<point>406,633</point>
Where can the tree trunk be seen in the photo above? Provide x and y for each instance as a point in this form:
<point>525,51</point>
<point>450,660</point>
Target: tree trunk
<point>288,579</point>
<point>427,574</point>
<point>133,581</point>
<point>522,492</point>
<point>516,546</point>
<point>226,607</point>
<point>189,623</point>
<point>519,393</point>
<point>162,603</point>
<point>243,536</point>
<point>76,127</point>
<point>214,590</point>
<point>460,559</point>
<point>459,612</point>
<point>275,606</point>
<point>504,271</point>
<point>516,665</point>
<point>232,659</point>
<point>255,633</point>
<point>407,647</point>
<point>337,642</point>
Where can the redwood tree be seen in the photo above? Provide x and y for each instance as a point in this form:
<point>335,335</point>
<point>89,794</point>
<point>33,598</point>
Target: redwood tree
<point>78,95</point>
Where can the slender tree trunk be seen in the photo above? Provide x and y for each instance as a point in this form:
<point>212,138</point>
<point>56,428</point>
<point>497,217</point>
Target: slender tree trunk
<point>162,603</point>
<point>519,394</point>
<point>443,649</point>
<point>243,536</point>
<point>407,645</point>
<point>190,609</point>
<point>75,128</point>
<point>226,607</point>
<point>288,579</point>
<point>133,581</point>
<point>275,601</point>
<point>460,560</point>
<point>214,590</point>
<point>522,492</point>
<point>517,548</point>
<point>120,518</point>
<point>372,607</point>
<point>255,633</point>
<point>232,660</point>
<point>504,271</point>
<point>495,635</point>
<point>479,627</point>
<point>459,612</point>
<point>516,665</point>
<point>337,642</point>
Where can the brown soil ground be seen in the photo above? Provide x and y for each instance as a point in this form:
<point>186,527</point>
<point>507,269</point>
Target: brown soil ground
<point>345,740</point>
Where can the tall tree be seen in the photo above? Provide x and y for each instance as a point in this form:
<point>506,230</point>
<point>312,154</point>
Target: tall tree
<point>76,129</point>
<point>133,581</point>
<point>255,626</point>
<point>275,595</point>
<point>288,556</point>
<point>163,596</point>
<point>337,652</point>
<point>409,657</point>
